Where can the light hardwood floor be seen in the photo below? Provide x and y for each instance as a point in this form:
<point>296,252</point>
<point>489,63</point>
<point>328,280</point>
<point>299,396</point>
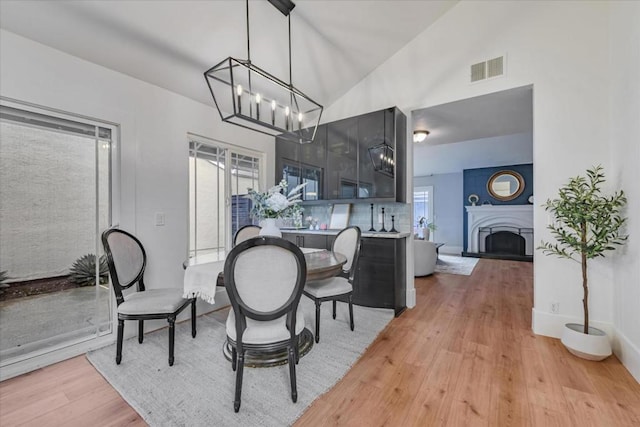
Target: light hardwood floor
<point>464,356</point>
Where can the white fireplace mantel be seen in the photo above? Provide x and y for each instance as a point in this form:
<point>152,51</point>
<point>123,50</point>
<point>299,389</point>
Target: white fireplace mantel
<point>518,216</point>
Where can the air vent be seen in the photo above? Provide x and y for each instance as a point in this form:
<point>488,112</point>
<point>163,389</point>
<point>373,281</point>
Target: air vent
<point>488,69</point>
<point>495,67</point>
<point>478,71</point>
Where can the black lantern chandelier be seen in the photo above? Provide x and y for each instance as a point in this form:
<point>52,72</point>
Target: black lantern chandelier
<point>250,97</point>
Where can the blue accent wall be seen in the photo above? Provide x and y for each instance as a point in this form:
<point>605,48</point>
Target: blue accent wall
<point>475,182</point>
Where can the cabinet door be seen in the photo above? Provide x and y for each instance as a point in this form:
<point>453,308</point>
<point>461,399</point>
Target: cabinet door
<point>375,279</point>
<point>293,238</point>
<point>287,160</point>
<point>374,129</point>
<point>315,153</point>
<point>313,163</point>
<point>342,159</point>
<point>313,241</point>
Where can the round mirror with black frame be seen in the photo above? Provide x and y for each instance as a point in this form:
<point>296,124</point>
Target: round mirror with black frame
<point>505,185</point>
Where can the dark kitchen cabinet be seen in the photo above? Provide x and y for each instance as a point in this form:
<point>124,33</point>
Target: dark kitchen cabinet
<point>380,279</point>
<point>342,159</point>
<point>318,241</point>
<point>375,129</point>
<point>338,165</point>
<point>303,163</point>
<point>381,276</point>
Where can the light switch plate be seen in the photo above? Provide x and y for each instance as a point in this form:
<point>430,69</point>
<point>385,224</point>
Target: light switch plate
<point>159,218</point>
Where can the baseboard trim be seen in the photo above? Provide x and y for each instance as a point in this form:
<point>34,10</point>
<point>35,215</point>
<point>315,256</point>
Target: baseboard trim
<point>551,325</point>
<point>411,298</point>
<point>628,354</point>
<point>451,250</point>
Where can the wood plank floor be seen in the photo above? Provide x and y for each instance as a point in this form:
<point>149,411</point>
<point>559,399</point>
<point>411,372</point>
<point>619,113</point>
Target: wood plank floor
<point>464,356</point>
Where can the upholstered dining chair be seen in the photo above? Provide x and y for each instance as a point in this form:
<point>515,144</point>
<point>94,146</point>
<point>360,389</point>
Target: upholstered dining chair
<point>127,260</point>
<point>245,233</point>
<point>264,278</point>
<point>339,288</point>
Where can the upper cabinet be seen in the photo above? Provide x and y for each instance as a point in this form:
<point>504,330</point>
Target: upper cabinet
<point>303,163</point>
<point>342,159</point>
<point>359,158</point>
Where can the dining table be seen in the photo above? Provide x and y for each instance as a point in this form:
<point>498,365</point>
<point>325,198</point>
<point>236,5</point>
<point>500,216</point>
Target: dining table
<point>204,277</point>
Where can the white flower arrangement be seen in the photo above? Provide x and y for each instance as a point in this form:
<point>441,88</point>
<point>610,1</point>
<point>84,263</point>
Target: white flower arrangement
<point>274,203</point>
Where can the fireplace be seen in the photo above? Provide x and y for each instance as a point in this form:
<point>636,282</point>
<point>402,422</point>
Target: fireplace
<point>504,231</point>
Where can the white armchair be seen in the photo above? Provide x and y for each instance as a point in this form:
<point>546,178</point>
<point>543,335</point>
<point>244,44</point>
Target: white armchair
<point>424,257</point>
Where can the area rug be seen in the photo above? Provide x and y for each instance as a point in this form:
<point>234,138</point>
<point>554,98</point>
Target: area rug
<point>198,389</point>
<point>452,264</point>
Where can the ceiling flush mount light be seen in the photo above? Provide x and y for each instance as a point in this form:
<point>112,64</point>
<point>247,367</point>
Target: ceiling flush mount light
<point>420,135</point>
<point>250,97</point>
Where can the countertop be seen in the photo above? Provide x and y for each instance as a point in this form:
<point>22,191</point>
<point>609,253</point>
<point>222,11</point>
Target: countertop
<point>376,234</point>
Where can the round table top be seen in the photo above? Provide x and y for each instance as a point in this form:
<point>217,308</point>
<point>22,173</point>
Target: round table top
<point>324,264</point>
<point>321,263</point>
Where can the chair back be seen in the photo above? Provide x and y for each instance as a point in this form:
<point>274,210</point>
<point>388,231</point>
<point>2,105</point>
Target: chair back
<point>126,259</point>
<point>264,278</point>
<point>347,243</point>
<point>245,233</point>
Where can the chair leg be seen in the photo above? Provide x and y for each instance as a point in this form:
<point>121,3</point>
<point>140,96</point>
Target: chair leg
<point>239,372</point>
<point>172,333</point>
<point>140,331</point>
<point>292,375</point>
<point>119,341</point>
<point>234,358</point>
<point>334,309</point>
<point>351,311</point>
<point>193,318</point>
<point>317,321</point>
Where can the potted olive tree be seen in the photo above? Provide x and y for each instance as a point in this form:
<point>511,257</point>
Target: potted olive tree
<point>586,225</point>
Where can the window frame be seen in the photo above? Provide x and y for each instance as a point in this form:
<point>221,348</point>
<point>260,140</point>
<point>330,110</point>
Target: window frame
<point>228,148</point>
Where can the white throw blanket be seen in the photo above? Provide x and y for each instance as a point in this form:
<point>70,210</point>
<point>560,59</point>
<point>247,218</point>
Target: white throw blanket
<point>200,280</point>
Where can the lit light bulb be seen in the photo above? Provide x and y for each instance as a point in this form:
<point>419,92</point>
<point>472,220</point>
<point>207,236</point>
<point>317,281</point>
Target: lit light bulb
<point>299,117</point>
<point>381,156</point>
<point>273,112</point>
<point>239,93</point>
<point>286,118</point>
<point>258,99</point>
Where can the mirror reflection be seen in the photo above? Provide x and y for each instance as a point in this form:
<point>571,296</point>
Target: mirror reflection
<point>505,185</point>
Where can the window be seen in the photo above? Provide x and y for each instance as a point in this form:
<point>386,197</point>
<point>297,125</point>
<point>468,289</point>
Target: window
<point>423,205</point>
<point>55,201</point>
<point>219,178</point>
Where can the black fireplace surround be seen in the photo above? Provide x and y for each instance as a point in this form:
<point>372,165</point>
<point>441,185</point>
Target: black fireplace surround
<point>503,243</point>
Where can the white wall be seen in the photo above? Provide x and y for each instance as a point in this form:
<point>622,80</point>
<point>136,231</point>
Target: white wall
<point>448,209</point>
<point>562,48</point>
<point>153,133</point>
<point>625,174</point>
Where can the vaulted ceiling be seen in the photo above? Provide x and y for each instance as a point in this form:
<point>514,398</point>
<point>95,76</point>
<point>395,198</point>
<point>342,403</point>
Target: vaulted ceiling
<point>171,43</point>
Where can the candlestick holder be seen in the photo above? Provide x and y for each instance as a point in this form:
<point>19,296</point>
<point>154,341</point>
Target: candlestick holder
<point>393,224</point>
<point>372,229</point>
<point>383,229</point>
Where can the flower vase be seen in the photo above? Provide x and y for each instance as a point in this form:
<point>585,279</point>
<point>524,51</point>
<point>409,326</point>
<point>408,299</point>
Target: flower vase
<point>269,228</point>
<point>425,233</point>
